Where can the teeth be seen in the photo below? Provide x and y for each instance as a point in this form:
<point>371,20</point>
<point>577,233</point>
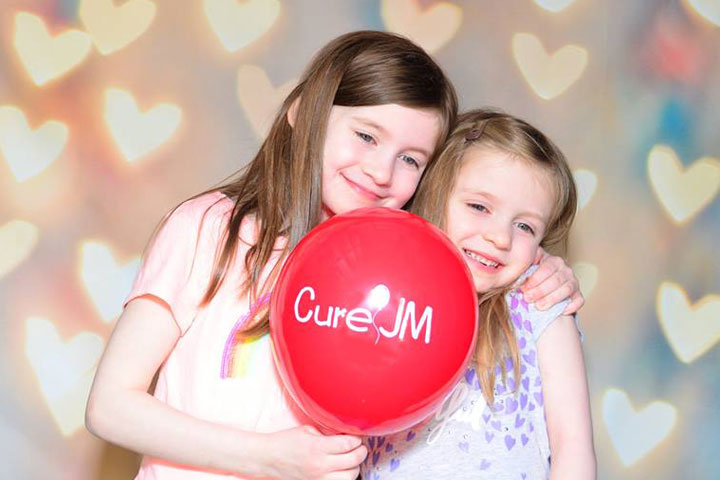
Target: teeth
<point>482,260</point>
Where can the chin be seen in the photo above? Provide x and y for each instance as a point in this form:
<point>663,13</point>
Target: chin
<point>482,287</point>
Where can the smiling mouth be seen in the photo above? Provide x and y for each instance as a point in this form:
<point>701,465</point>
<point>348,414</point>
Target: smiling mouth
<point>479,258</point>
<point>362,190</point>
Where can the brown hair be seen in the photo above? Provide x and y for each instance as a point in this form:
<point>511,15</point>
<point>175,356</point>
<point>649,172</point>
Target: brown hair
<point>282,184</point>
<point>485,128</point>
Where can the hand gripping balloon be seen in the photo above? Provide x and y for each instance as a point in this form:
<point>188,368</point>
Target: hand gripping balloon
<point>373,320</point>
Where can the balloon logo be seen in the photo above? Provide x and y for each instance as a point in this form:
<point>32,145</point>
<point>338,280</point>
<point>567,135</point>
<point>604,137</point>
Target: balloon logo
<point>373,320</point>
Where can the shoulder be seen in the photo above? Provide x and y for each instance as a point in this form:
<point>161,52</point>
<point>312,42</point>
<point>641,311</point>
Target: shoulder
<point>200,217</point>
<point>180,255</point>
<point>208,214</point>
<point>526,316</point>
<point>196,221</point>
<point>208,206</point>
<point>548,315</point>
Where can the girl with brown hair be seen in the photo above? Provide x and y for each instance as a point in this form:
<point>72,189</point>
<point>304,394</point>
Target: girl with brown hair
<point>359,129</point>
<point>501,190</point>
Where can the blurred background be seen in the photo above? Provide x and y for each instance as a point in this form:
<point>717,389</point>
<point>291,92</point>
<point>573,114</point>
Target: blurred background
<point>114,111</point>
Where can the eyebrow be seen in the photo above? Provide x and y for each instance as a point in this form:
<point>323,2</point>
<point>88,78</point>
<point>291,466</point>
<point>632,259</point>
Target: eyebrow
<point>493,198</point>
<point>369,123</point>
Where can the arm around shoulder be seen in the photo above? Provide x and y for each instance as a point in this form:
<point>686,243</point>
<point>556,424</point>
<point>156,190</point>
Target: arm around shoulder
<point>567,402</point>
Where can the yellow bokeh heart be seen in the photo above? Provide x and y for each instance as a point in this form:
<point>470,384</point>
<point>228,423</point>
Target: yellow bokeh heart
<point>64,370</point>
<point>554,5</point>
<point>258,98</point>
<point>586,182</point>
<point>548,75</point>
<point>587,274</point>
<point>46,57</point>
<point>106,282</point>
<point>691,330</point>
<point>635,434</point>
<point>239,23</point>
<point>137,133</point>
<point>28,152</point>
<point>707,9</point>
<point>111,27</point>
<point>17,241</point>
<point>431,28</point>
<point>682,192</point>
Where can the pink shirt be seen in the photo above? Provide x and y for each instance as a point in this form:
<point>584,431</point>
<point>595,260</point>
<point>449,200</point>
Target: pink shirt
<point>209,374</point>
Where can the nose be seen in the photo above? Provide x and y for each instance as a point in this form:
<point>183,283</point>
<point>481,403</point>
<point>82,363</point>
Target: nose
<point>380,167</point>
<point>499,233</point>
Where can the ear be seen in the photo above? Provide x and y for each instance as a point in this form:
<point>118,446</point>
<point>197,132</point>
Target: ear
<point>292,112</point>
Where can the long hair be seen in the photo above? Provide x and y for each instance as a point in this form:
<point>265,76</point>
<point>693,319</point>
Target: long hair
<point>485,128</point>
<point>282,185</point>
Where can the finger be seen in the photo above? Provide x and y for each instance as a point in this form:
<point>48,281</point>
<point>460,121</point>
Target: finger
<point>557,295</point>
<point>339,444</point>
<point>576,303</point>
<point>545,270</point>
<point>350,474</point>
<point>347,460</point>
<point>540,291</point>
<point>312,430</point>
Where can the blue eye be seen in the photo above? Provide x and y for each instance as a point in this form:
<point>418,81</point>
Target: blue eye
<point>526,228</point>
<point>410,161</point>
<point>365,137</point>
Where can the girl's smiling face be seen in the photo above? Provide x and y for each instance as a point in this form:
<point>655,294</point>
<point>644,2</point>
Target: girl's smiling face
<point>497,215</point>
<point>374,156</point>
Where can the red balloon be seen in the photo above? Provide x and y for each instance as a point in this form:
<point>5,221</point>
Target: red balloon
<point>373,320</point>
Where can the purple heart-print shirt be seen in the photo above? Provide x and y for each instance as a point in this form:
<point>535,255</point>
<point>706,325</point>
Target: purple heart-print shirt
<point>467,438</point>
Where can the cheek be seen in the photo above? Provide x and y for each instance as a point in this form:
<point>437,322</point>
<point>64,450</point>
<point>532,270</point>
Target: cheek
<point>457,225</point>
<point>527,250</point>
<point>404,186</point>
<point>338,155</point>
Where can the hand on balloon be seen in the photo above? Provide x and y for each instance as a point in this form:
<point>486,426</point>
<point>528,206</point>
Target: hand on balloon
<point>553,282</point>
<point>304,453</point>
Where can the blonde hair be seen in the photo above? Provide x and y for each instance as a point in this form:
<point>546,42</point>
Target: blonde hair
<point>282,184</point>
<point>486,128</point>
